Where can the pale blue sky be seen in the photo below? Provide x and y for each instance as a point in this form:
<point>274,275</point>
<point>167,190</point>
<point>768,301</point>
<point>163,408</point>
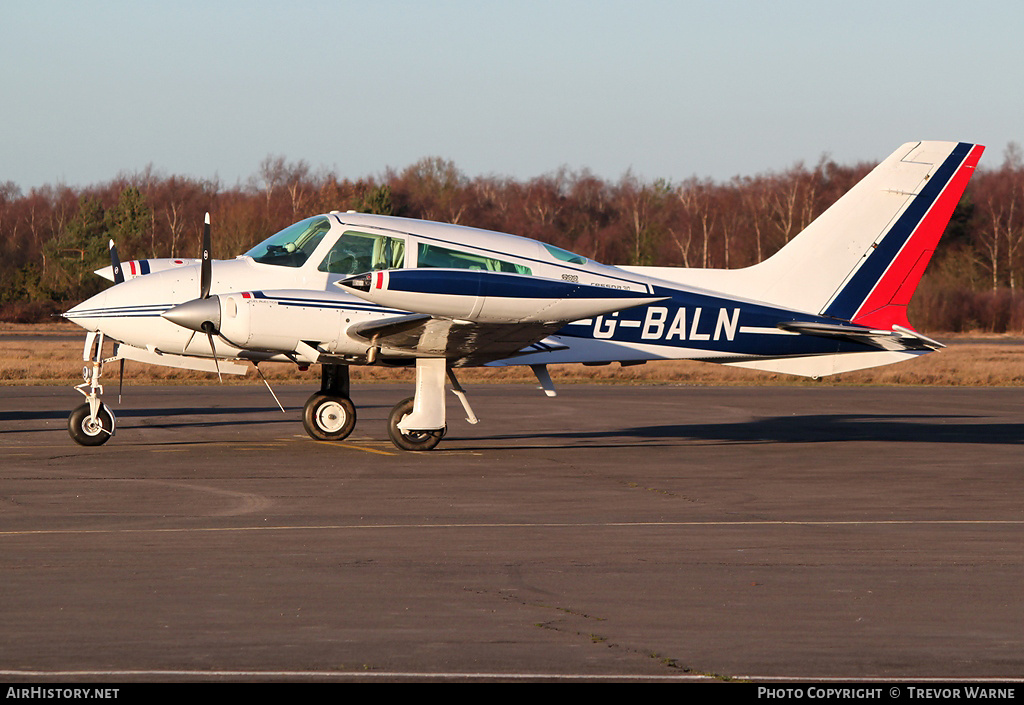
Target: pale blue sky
<point>516,88</point>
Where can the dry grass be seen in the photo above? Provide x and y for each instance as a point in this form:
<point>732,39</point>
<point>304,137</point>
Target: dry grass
<point>35,354</point>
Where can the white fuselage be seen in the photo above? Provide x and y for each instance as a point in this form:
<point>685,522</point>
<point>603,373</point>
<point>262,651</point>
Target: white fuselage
<point>275,312</point>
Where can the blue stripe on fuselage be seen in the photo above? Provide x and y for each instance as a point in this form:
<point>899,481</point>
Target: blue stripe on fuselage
<point>459,282</point>
<point>719,325</point>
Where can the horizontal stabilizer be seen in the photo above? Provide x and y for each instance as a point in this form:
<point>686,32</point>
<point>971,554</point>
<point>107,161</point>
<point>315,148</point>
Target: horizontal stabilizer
<point>899,338</point>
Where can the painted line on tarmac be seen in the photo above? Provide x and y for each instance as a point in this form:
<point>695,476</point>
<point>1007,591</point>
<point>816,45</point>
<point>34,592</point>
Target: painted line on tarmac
<point>522,525</point>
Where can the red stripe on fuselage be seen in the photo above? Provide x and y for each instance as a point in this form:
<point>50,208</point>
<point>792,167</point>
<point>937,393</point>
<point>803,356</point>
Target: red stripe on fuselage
<point>886,305</point>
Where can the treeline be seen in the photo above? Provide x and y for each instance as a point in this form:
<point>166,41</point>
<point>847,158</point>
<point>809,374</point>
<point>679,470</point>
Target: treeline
<point>52,238</point>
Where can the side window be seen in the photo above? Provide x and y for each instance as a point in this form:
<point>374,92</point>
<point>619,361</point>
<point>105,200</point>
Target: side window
<point>434,256</point>
<point>564,255</point>
<point>355,253</point>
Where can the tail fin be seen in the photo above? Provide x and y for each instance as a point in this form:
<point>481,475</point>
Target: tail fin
<point>861,259</point>
<point>878,290</point>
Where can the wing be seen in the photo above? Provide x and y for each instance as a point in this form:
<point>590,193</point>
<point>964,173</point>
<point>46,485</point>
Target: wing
<point>464,343</point>
<point>475,317</point>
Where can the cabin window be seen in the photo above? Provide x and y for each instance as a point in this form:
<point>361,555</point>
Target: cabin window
<point>292,246</point>
<point>434,256</point>
<point>356,253</point>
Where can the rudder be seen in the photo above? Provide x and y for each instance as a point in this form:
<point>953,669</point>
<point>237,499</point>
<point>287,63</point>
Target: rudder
<point>878,292</point>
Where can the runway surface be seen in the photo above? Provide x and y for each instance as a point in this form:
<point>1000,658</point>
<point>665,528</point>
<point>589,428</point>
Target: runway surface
<point>620,532</point>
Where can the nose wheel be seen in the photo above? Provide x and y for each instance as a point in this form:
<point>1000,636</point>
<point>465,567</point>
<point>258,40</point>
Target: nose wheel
<point>91,430</point>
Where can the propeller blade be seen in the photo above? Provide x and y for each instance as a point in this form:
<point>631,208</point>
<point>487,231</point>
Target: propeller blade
<point>115,264</point>
<point>213,349</point>
<point>205,272</point>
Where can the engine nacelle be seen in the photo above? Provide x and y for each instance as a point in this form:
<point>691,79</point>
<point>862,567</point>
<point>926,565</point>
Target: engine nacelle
<point>490,297</point>
<point>269,321</point>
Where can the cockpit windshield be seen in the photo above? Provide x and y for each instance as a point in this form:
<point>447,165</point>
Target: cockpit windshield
<point>292,246</point>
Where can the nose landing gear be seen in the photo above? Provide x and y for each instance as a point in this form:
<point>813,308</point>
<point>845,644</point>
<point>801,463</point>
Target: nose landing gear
<point>92,423</point>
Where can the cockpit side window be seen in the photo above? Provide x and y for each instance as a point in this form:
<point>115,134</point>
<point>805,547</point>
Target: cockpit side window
<point>434,256</point>
<point>355,253</point>
<point>564,255</point>
<point>292,246</point>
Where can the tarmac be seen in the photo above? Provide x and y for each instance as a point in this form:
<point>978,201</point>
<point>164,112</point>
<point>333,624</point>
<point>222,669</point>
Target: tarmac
<point>627,533</point>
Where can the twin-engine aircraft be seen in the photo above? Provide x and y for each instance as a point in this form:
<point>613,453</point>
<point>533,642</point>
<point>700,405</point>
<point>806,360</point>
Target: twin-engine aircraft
<point>345,289</point>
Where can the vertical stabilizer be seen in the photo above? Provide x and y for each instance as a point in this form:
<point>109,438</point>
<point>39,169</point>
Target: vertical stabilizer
<point>861,259</point>
<point>878,291</point>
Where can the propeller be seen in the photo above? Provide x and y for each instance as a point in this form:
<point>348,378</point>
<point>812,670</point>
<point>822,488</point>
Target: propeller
<point>203,314</point>
<point>206,268</point>
<point>208,327</point>
<point>115,264</point>
<point>205,280</point>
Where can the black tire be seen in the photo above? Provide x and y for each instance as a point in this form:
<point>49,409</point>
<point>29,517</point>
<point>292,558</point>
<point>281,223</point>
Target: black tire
<point>329,418</point>
<point>413,440</point>
<point>87,433</point>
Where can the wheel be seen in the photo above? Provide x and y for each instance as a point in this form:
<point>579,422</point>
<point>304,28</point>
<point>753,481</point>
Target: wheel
<point>91,433</point>
<point>329,418</point>
<point>411,440</point>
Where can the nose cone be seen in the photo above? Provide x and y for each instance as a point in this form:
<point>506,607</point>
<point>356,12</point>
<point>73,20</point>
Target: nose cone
<point>196,314</point>
<point>89,313</point>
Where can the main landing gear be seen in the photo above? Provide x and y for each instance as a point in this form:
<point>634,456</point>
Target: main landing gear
<point>329,415</point>
<point>92,423</point>
<point>416,423</point>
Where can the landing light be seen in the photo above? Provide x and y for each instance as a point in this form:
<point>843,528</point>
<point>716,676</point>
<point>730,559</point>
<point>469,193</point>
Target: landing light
<point>363,282</point>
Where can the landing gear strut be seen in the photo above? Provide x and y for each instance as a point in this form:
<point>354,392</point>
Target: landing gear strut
<point>329,415</point>
<point>92,423</point>
<point>411,440</point>
<point>418,423</point>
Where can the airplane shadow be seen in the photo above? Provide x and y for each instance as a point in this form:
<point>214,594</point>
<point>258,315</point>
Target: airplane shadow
<point>49,414</point>
<point>174,417</point>
<point>813,428</point>
<point>164,418</point>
